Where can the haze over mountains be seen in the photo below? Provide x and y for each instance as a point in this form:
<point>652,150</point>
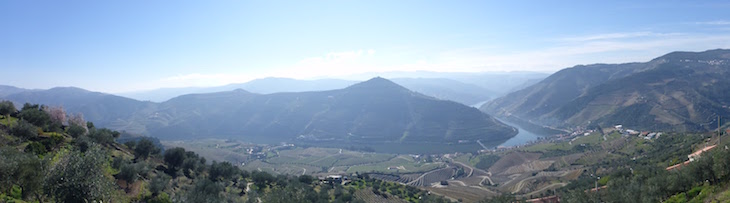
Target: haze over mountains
<point>376,110</point>
<point>680,91</point>
<point>465,88</point>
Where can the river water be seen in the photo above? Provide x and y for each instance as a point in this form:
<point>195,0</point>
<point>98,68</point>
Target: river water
<point>522,137</point>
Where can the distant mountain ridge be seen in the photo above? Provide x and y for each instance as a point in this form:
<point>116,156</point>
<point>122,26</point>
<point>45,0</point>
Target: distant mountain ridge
<point>376,110</point>
<point>262,86</point>
<point>682,91</point>
<point>465,88</point>
<point>6,90</point>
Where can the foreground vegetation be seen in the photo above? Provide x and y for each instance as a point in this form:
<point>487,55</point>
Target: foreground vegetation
<point>631,169</point>
<point>48,156</point>
<point>646,179</point>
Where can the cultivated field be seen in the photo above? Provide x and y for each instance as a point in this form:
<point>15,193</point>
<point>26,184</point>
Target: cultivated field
<point>527,171</point>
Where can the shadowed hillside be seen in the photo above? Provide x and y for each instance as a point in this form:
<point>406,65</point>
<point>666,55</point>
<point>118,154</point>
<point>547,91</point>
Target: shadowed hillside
<point>376,110</point>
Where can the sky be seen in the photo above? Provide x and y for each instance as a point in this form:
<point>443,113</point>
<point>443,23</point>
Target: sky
<point>121,46</point>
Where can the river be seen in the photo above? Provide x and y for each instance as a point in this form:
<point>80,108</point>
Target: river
<point>522,137</point>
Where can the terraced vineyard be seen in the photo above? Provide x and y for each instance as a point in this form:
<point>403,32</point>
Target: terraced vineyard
<point>434,177</point>
<point>369,196</point>
<point>418,179</point>
<point>401,178</point>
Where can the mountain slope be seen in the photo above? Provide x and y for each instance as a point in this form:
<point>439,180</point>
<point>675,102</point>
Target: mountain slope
<point>686,91</point>
<point>556,90</point>
<point>682,91</point>
<point>376,110</point>
<point>104,109</point>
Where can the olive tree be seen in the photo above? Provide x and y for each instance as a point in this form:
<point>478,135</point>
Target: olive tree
<point>6,108</point>
<point>24,130</point>
<point>79,177</point>
<point>21,169</point>
<point>144,148</point>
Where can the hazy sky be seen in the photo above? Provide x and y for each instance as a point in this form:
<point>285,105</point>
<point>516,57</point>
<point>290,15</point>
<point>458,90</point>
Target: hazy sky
<point>117,46</point>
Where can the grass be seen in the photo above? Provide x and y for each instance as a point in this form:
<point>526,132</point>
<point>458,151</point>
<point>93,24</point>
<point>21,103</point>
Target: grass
<point>8,121</point>
<point>465,158</point>
<point>548,147</point>
<point>324,157</point>
<point>590,139</point>
<point>363,159</point>
<point>411,166</point>
<point>635,146</point>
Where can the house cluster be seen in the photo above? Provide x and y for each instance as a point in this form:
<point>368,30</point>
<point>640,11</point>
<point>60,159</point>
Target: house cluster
<point>335,179</point>
<point>578,131</point>
<point>647,135</point>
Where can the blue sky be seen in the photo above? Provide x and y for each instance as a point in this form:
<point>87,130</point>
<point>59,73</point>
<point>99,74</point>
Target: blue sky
<point>118,46</point>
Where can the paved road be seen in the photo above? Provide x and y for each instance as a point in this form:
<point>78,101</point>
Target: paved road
<point>480,143</point>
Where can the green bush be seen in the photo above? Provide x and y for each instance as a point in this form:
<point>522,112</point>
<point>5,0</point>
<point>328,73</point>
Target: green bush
<point>76,131</point>
<point>161,198</point>
<point>36,148</point>
<point>24,130</point>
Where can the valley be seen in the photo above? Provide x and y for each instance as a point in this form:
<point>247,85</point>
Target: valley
<point>365,101</point>
<point>585,122</point>
<point>530,170</point>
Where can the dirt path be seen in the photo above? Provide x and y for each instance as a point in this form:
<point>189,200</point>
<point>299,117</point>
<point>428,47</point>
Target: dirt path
<point>423,175</point>
<point>471,170</point>
<point>460,182</point>
<point>486,178</point>
<point>248,187</point>
<point>521,184</point>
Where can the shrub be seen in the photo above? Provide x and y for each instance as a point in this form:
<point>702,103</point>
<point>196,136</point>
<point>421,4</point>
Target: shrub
<point>24,130</point>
